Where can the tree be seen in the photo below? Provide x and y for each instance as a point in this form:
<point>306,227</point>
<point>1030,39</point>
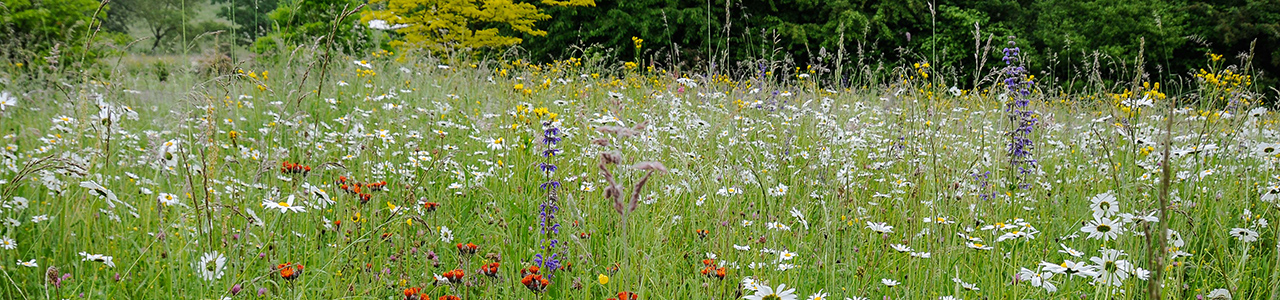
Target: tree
<point>1230,26</point>
<point>167,21</point>
<point>249,16</point>
<point>298,22</point>
<point>163,19</point>
<point>457,24</point>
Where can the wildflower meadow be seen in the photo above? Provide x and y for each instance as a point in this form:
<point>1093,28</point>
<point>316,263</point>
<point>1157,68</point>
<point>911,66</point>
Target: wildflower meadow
<point>427,174</point>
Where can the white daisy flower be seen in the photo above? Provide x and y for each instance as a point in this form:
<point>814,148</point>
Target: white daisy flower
<point>446,235</point>
<point>168,199</point>
<point>98,258</point>
<point>211,266</point>
<point>1105,229</point>
<point>1104,205</point>
<point>879,227</point>
<point>8,243</point>
<point>1219,294</point>
<point>1038,279</point>
<point>764,292</point>
<point>1244,234</point>
<point>1110,268</point>
<point>7,100</point>
<point>818,296</point>
<point>283,206</point>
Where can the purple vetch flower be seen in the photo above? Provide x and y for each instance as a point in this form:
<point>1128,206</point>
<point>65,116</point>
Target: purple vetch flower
<point>235,289</point>
<point>262,291</point>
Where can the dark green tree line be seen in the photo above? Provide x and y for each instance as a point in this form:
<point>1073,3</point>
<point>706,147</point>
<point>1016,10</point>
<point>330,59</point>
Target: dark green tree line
<point>1173,36</point>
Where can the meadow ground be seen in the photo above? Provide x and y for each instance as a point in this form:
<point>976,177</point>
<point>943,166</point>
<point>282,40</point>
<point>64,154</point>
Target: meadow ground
<point>388,177</point>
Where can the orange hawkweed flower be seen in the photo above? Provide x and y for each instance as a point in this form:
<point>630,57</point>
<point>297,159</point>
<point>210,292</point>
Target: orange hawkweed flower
<point>467,248</point>
<point>289,271</point>
<point>710,269</point>
<point>430,206</point>
<point>529,270</point>
<point>702,233</point>
<point>411,293</point>
<point>455,275</point>
<point>535,282</point>
<point>490,269</point>
<point>449,297</point>
<point>287,167</point>
<point>628,296</point>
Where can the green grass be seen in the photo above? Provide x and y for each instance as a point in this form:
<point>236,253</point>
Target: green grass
<point>900,153</point>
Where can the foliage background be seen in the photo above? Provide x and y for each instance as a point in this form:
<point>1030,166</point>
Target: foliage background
<point>1057,36</point>
<point>1177,33</point>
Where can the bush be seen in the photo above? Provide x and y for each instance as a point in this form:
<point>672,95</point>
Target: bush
<point>31,28</point>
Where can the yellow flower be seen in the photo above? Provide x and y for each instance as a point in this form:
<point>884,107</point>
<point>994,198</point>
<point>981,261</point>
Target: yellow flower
<point>603,279</point>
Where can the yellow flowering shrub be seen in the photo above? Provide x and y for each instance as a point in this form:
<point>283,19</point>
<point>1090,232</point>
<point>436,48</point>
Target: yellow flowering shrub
<point>455,24</point>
